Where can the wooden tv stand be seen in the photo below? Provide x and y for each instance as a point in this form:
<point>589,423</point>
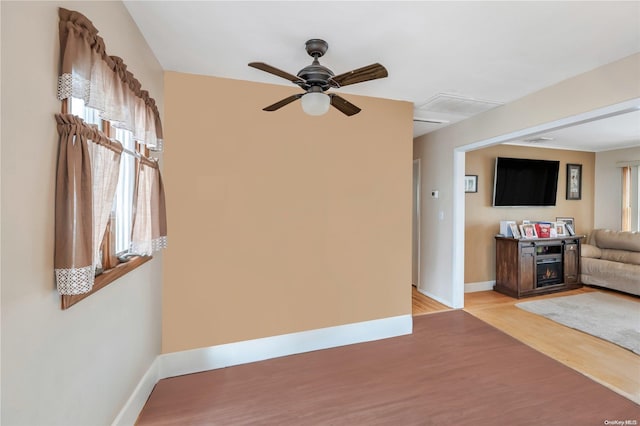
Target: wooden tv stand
<point>529,267</point>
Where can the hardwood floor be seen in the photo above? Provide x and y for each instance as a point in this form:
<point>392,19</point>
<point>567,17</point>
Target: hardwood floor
<point>422,304</point>
<point>453,369</point>
<point>606,363</point>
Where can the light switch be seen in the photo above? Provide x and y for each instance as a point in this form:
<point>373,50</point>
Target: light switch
<point>435,194</point>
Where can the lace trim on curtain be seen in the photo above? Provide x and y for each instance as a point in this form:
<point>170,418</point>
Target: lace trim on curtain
<point>73,86</point>
<point>75,280</point>
<point>158,147</point>
<point>159,243</point>
<point>147,248</point>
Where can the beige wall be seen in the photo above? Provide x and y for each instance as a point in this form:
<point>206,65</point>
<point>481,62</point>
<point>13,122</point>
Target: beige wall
<point>482,221</point>
<point>281,222</point>
<point>79,366</point>
<point>442,157</point>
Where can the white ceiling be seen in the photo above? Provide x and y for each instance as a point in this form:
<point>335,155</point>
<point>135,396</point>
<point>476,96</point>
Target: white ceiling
<point>490,51</point>
<point>620,131</point>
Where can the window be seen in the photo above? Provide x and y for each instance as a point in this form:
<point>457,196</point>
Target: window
<point>116,258</point>
<point>110,207</point>
<point>90,115</point>
<point>117,241</point>
<point>123,203</point>
<point>630,198</point>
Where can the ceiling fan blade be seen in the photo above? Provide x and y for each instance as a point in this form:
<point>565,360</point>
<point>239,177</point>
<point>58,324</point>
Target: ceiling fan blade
<point>370,72</point>
<point>343,105</point>
<point>275,71</point>
<point>285,101</point>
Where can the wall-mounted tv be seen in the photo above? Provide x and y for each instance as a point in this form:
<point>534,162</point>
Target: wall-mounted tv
<point>520,182</point>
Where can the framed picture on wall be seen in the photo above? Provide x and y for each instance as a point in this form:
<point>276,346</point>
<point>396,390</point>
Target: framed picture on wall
<point>471,183</point>
<point>574,181</point>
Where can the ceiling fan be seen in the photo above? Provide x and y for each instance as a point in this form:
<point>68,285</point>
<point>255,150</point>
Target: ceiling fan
<point>316,79</point>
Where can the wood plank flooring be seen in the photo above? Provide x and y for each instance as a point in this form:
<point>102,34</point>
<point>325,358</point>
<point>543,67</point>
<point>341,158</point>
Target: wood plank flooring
<point>422,304</point>
<point>453,369</point>
<point>606,363</point>
<point>616,368</point>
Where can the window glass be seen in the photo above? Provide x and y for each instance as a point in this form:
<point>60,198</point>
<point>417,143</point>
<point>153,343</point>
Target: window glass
<point>630,198</point>
<point>123,203</point>
<point>634,199</point>
<point>89,115</point>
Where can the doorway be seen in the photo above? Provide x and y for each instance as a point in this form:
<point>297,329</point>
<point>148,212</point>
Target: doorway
<point>458,213</point>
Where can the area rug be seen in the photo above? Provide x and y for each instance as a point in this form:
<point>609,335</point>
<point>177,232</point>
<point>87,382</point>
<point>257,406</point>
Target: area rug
<point>608,317</point>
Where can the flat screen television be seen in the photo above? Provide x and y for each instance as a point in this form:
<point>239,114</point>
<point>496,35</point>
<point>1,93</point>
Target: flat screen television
<point>520,182</point>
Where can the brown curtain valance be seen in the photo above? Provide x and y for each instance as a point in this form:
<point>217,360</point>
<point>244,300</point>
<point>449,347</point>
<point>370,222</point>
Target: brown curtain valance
<point>103,82</point>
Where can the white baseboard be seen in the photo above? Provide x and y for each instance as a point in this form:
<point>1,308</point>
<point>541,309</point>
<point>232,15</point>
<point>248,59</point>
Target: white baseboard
<point>434,297</point>
<point>131,410</point>
<point>220,356</point>
<point>479,286</point>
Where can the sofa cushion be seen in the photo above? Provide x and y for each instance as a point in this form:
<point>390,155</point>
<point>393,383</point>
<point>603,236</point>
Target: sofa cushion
<point>606,239</point>
<point>604,273</point>
<point>591,251</point>
<point>621,256</point>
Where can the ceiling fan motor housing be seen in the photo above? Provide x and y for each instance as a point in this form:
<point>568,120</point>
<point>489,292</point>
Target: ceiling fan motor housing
<point>315,75</point>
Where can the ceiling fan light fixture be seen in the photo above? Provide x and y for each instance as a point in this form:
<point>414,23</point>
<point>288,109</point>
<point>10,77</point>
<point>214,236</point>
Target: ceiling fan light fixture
<point>315,103</point>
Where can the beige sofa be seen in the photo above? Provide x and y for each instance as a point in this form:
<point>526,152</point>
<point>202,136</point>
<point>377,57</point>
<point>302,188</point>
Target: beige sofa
<point>611,259</point>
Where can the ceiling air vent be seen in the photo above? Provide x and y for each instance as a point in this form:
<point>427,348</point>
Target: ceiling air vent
<point>539,139</point>
<point>430,120</point>
<point>457,105</point>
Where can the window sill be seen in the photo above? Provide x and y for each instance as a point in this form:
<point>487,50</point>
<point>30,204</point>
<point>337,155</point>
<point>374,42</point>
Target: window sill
<point>105,279</point>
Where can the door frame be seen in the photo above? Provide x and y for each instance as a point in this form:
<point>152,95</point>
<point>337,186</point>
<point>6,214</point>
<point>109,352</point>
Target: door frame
<point>415,233</point>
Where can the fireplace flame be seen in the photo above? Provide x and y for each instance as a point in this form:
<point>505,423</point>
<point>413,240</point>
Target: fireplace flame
<point>549,274</point>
